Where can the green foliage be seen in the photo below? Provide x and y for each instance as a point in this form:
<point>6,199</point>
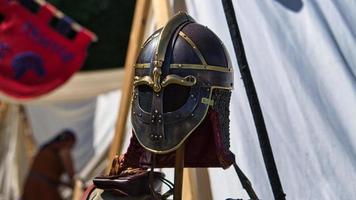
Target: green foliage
<point>110,20</point>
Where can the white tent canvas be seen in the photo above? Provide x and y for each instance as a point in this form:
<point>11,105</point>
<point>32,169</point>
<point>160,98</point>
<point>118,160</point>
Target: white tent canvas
<point>303,62</point>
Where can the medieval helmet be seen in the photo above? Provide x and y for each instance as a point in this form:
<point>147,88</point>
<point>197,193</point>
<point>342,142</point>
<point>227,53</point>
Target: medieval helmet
<point>182,71</point>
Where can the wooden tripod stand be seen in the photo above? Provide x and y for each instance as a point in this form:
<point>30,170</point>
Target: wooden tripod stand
<point>178,173</point>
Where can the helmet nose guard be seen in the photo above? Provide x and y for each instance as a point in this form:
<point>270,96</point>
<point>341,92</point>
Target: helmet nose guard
<point>181,57</point>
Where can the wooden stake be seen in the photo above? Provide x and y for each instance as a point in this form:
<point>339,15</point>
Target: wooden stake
<point>178,173</point>
<point>135,41</point>
<point>196,184</point>
<point>77,191</point>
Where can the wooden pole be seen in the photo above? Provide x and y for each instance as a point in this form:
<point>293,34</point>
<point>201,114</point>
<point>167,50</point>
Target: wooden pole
<point>135,41</point>
<point>196,181</point>
<point>196,184</point>
<point>77,191</point>
<point>178,173</point>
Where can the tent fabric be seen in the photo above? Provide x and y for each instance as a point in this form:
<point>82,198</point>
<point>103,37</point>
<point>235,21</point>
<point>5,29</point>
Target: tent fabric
<point>92,120</point>
<point>303,62</point>
<point>13,154</point>
<point>83,84</point>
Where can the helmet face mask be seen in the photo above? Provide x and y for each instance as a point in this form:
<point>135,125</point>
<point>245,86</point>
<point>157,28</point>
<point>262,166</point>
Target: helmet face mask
<point>174,83</point>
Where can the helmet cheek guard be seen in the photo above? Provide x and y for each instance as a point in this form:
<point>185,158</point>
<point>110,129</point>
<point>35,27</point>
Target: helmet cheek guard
<point>183,74</point>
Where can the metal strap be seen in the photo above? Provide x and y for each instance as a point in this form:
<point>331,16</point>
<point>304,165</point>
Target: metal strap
<point>167,33</point>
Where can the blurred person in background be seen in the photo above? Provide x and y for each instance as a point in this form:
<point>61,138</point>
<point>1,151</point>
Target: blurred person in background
<point>50,163</point>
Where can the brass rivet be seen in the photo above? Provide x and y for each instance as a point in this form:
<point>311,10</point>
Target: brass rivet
<point>156,111</point>
<point>159,121</point>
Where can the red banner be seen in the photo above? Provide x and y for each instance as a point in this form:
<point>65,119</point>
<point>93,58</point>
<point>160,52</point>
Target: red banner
<point>39,48</point>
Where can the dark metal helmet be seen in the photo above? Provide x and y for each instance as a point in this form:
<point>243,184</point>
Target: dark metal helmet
<point>181,71</point>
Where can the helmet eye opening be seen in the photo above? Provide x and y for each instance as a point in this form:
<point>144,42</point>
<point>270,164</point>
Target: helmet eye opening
<point>174,97</point>
<point>145,97</point>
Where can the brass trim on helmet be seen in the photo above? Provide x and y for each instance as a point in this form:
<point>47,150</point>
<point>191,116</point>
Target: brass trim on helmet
<point>188,66</point>
<point>207,101</point>
<point>142,65</point>
<point>150,39</point>
<point>168,30</point>
<point>145,80</point>
<point>195,48</point>
<point>170,79</point>
<point>164,38</point>
<point>201,67</point>
<point>223,88</point>
<point>157,79</point>
<point>175,79</point>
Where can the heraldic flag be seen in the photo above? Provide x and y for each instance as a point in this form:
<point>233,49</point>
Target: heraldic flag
<point>40,48</point>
